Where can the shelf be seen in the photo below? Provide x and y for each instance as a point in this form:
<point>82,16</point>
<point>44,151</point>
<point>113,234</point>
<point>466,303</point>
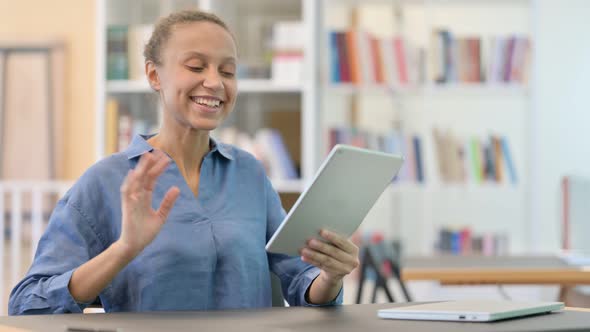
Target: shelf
<point>432,90</point>
<point>123,86</point>
<point>402,187</point>
<point>288,186</point>
<point>468,89</point>
<point>244,86</point>
<point>267,86</point>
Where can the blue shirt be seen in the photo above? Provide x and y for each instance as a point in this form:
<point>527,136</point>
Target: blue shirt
<point>208,255</point>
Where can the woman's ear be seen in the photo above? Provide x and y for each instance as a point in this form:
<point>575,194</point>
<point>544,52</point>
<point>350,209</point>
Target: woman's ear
<point>152,75</point>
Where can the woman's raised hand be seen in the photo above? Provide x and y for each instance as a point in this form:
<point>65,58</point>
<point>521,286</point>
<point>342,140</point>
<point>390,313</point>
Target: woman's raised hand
<point>140,222</point>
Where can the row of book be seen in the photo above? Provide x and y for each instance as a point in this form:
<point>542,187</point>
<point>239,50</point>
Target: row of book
<point>125,45</point>
<point>474,159</point>
<point>409,146</point>
<point>268,146</point>
<point>358,57</point>
<point>121,126</point>
<point>463,241</point>
<point>496,60</point>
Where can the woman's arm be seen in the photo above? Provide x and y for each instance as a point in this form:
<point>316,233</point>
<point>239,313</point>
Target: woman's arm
<point>140,225</point>
<point>93,276</point>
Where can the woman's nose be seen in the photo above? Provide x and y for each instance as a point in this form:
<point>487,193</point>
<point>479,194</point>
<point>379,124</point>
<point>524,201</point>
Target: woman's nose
<point>212,80</point>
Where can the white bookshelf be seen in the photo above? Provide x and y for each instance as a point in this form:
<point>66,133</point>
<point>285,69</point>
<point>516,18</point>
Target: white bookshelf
<point>412,211</point>
<point>415,211</point>
<point>256,95</point>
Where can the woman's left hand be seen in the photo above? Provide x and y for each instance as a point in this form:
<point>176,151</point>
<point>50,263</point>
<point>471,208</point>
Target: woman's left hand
<point>336,256</point>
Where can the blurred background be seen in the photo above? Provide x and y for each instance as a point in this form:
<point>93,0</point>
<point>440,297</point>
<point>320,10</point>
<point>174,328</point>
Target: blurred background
<point>486,99</point>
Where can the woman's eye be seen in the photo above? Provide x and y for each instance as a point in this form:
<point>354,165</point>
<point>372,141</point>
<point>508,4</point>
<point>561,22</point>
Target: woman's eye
<point>227,74</point>
<point>195,69</point>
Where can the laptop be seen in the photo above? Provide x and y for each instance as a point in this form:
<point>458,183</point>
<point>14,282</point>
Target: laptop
<point>345,188</point>
<point>470,310</point>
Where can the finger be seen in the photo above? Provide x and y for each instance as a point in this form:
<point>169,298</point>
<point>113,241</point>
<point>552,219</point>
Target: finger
<point>125,185</point>
<point>144,163</point>
<point>168,203</point>
<point>339,241</point>
<point>129,186</point>
<point>138,178</point>
<point>156,170</point>
<point>330,250</point>
<point>324,262</point>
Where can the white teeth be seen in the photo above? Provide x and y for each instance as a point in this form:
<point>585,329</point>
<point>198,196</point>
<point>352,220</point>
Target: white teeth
<point>207,102</point>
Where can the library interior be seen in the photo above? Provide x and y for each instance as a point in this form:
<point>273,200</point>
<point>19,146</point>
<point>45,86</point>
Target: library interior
<point>477,96</point>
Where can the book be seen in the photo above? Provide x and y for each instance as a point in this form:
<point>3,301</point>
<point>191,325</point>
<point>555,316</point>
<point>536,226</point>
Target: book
<point>117,60</point>
<point>508,160</point>
<point>111,126</point>
<point>334,57</point>
<point>281,165</point>
<point>417,145</point>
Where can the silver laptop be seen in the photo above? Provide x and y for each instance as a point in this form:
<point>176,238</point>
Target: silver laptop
<point>470,310</point>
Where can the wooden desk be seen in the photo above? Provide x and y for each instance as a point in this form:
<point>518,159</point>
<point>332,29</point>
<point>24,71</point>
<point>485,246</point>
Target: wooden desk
<point>465,270</point>
<point>361,317</point>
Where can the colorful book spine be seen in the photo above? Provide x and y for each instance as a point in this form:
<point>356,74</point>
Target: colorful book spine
<point>334,57</point>
<point>117,59</point>
<point>509,162</point>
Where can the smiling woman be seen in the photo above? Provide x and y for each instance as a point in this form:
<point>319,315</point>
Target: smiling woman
<point>178,221</point>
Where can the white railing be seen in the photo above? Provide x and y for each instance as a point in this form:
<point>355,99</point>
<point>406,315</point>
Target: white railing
<point>26,205</point>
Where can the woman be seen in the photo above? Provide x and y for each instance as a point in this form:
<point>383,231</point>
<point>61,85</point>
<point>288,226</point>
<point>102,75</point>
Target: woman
<point>108,237</point>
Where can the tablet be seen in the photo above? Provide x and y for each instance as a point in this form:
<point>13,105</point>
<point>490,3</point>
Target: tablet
<point>347,185</point>
<point>470,310</point>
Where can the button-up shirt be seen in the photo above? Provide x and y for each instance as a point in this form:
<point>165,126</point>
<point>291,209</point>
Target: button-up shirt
<point>210,254</point>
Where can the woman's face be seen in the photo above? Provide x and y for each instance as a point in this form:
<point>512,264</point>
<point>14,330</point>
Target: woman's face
<point>196,78</point>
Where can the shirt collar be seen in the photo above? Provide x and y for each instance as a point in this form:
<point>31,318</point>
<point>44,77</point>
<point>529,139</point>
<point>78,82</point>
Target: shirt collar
<point>139,146</point>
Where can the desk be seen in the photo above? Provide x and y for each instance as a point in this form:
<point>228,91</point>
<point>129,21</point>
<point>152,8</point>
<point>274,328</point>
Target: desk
<point>481,270</point>
<point>357,317</point>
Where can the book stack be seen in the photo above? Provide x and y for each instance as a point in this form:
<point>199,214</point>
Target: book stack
<point>410,147</point>
<point>463,241</point>
<point>287,58</point>
<point>474,159</point>
<point>359,57</point>
<point>497,60</point>
<point>268,146</point>
<point>121,125</point>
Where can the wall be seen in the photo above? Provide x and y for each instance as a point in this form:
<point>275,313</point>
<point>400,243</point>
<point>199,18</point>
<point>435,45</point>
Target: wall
<point>561,126</point>
<point>72,21</point>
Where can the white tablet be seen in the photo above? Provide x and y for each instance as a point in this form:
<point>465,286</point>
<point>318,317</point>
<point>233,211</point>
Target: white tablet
<point>347,185</point>
<point>470,310</point>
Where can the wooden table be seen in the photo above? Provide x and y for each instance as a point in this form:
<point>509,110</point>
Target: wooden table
<point>501,270</point>
<point>482,270</point>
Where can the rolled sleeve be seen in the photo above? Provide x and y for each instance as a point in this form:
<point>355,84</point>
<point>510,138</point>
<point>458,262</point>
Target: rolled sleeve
<point>336,301</point>
<point>68,242</point>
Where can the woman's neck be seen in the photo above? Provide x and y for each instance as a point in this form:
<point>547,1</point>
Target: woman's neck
<point>186,147</point>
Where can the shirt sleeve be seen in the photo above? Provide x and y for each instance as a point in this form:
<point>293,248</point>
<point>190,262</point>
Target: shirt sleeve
<point>296,276</point>
<point>68,242</point>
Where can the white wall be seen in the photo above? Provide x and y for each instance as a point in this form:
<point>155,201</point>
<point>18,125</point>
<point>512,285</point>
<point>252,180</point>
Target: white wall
<point>561,120</point>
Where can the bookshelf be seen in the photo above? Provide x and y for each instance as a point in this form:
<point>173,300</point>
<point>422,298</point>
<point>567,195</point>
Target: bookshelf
<point>306,108</point>
<point>495,104</point>
<point>267,97</point>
